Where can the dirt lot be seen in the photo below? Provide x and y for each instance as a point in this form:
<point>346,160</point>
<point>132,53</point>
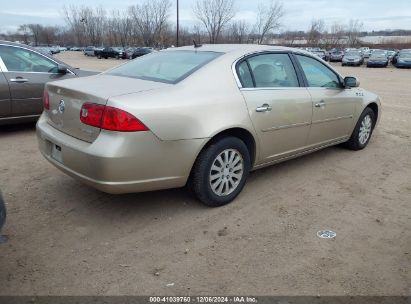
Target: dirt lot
<point>68,239</point>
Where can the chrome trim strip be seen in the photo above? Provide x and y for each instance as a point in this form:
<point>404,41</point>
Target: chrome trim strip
<point>301,124</point>
<point>301,152</point>
<point>20,117</point>
<point>3,67</point>
<point>285,50</point>
<point>332,119</point>
<point>273,88</point>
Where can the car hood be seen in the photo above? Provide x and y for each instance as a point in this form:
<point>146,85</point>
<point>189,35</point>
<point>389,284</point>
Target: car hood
<point>352,57</point>
<point>379,58</point>
<point>83,73</point>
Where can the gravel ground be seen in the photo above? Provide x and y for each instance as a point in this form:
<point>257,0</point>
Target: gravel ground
<point>68,239</point>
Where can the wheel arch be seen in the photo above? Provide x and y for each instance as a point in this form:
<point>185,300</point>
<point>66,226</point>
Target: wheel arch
<point>245,135</point>
<point>374,107</point>
<point>241,133</point>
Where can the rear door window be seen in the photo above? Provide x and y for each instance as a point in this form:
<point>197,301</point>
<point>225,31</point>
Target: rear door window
<point>268,71</point>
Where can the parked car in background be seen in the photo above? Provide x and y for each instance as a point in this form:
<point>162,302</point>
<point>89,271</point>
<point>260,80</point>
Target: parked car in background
<point>75,49</point>
<point>353,57</point>
<point>23,72</point>
<point>141,51</point>
<point>44,50</point>
<point>54,50</point>
<point>366,52</point>
<point>129,52</point>
<point>391,54</point>
<point>322,54</point>
<point>378,58</point>
<point>402,59</point>
<point>89,51</point>
<point>336,56</point>
<point>111,52</point>
<point>205,116</point>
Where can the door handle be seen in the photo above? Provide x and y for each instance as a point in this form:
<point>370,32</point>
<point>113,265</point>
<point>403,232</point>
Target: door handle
<point>320,104</point>
<point>264,108</point>
<point>19,80</point>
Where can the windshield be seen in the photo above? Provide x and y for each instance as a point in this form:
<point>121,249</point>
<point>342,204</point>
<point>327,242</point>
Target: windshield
<point>406,54</point>
<point>379,54</point>
<point>168,67</point>
<point>351,53</point>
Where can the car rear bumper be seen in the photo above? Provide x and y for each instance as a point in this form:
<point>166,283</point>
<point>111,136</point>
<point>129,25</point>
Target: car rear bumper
<point>120,162</point>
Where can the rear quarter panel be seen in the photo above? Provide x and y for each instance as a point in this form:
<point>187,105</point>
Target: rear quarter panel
<point>200,106</point>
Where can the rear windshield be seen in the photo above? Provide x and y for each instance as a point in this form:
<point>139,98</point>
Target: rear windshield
<point>169,67</point>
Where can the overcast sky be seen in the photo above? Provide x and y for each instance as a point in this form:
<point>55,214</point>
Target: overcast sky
<point>375,14</point>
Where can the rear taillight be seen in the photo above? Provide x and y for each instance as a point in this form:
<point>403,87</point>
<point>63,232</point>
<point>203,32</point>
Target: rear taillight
<point>46,100</point>
<point>110,118</point>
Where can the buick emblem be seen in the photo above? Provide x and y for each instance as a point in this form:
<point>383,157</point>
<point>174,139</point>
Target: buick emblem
<point>62,106</point>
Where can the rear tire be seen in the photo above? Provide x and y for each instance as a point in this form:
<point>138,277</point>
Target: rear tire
<point>220,172</point>
<point>361,135</point>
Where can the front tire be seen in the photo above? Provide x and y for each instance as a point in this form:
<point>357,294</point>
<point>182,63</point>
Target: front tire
<point>363,130</point>
<point>220,172</point>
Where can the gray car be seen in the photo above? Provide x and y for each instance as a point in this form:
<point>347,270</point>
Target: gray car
<point>353,57</point>
<point>23,73</point>
<point>378,58</point>
<point>89,51</point>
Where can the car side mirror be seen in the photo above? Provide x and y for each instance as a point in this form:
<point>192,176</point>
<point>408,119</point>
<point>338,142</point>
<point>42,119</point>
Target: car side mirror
<point>351,82</point>
<point>62,69</point>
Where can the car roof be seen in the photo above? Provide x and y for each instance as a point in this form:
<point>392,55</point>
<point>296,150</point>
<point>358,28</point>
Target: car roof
<point>233,48</point>
<point>235,51</point>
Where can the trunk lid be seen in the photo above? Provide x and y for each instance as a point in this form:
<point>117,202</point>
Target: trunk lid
<point>67,97</point>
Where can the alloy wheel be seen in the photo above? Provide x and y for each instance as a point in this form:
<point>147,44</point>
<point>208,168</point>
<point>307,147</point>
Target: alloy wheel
<point>365,130</point>
<point>226,172</point>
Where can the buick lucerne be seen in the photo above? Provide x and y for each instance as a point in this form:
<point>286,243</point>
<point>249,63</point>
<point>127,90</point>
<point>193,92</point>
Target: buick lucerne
<point>202,116</point>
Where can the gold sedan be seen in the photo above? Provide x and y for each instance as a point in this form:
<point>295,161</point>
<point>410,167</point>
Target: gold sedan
<point>203,116</point>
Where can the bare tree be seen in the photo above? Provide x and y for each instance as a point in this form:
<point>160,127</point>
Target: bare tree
<point>238,31</point>
<point>353,32</point>
<point>87,24</point>
<point>151,20</point>
<point>268,19</point>
<point>25,32</point>
<point>36,32</point>
<point>336,36</point>
<point>214,16</point>
<point>291,37</point>
<point>316,31</point>
<point>120,28</point>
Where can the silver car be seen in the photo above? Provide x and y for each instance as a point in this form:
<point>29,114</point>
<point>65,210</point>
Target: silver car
<point>201,116</point>
<point>354,58</point>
